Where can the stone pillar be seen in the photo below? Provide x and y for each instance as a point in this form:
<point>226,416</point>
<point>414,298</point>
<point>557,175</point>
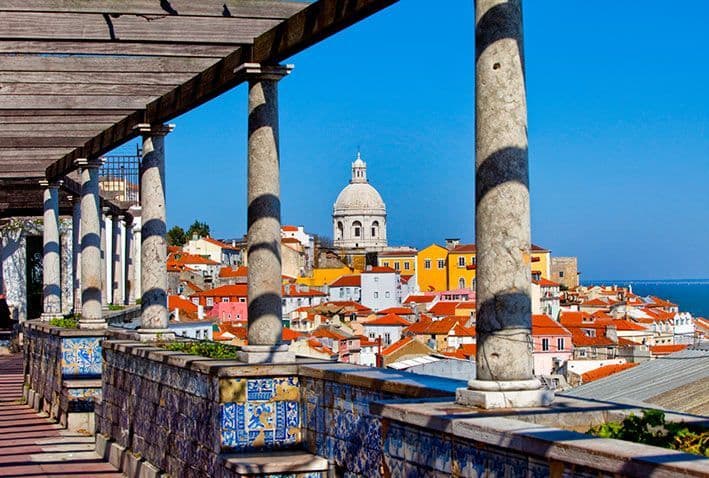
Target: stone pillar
<point>154,318</point>
<point>2,266</point>
<point>502,218</point>
<point>90,226</point>
<point>76,252</point>
<point>67,269</point>
<point>120,271</point>
<point>264,218</point>
<point>51,260</point>
<point>136,283</point>
<point>108,258</point>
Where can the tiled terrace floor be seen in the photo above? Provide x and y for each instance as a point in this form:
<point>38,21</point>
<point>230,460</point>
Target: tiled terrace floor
<point>33,446</point>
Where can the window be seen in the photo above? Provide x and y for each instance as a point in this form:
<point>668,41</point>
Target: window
<point>385,264</point>
<point>242,299</point>
<point>441,263</point>
<point>561,273</point>
<point>545,345</point>
<point>371,335</point>
<point>582,353</point>
<point>340,229</point>
<point>375,229</point>
<point>396,266</point>
<point>461,261</point>
<point>560,343</point>
<point>357,229</point>
<point>472,284</point>
<point>386,294</point>
<point>225,299</point>
<point>474,260</point>
<point>406,266</point>
<point>210,301</point>
<point>376,294</point>
<point>427,263</point>
<point>387,338</point>
<point>461,283</point>
<point>342,292</point>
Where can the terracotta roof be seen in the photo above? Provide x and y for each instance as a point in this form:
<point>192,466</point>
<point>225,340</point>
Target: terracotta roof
<point>546,283</point>
<point>359,308</point>
<point>574,318</point>
<point>605,371</point>
<point>365,341</point>
<point>239,332</point>
<point>290,335</point>
<point>397,345</point>
<point>241,271</point>
<point>405,278</point>
<point>463,248</point>
<point>443,308</point>
<point>536,248</point>
<point>595,303</point>
<point>221,244</point>
<point>419,299</point>
<point>294,291</point>
<point>177,302</point>
<point>193,286</point>
<point>543,325</point>
<point>389,319</point>
<point>185,258</point>
<point>318,346</point>
<point>436,327</point>
<point>230,290</point>
<point>580,339</point>
<point>347,281</point>
<point>290,228</point>
<point>627,325</point>
<point>666,349</point>
<point>461,331</point>
<point>379,270</point>
<point>465,352</point>
<point>327,333</point>
<point>396,310</point>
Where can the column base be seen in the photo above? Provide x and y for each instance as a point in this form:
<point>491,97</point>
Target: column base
<point>152,335</point>
<point>265,354</point>
<point>92,324</point>
<point>489,394</point>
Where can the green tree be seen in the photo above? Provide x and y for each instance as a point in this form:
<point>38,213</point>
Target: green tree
<point>176,236</point>
<point>201,229</point>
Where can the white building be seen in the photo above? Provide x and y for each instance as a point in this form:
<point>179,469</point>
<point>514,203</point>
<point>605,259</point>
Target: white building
<point>359,213</point>
<point>546,297</point>
<point>388,328</point>
<point>683,329</point>
<point>347,287</point>
<point>306,241</point>
<point>381,288</point>
<point>296,296</point>
<point>227,254</point>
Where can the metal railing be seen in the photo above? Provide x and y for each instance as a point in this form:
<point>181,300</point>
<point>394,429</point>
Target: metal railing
<point>119,176</point>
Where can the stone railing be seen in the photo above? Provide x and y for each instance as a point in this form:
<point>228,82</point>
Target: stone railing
<point>63,373</point>
<point>192,416</point>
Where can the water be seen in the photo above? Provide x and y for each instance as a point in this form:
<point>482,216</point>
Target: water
<point>691,295</point>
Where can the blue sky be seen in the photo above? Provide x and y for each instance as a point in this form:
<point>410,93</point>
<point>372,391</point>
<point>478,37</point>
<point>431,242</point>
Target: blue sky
<point>618,133</point>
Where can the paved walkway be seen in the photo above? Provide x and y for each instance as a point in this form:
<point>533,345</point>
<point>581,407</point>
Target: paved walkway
<point>33,446</point>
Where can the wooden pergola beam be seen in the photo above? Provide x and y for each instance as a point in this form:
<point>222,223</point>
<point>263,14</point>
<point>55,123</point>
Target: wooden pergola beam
<point>194,50</point>
<point>102,64</point>
<point>209,8</point>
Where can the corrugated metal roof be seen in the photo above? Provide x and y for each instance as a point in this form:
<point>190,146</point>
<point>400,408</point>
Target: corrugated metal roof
<point>662,382</point>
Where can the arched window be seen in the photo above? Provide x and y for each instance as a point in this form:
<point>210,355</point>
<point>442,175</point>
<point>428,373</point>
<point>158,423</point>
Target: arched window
<point>340,230</point>
<point>357,229</point>
<point>375,229</point>
<point>461,283</point>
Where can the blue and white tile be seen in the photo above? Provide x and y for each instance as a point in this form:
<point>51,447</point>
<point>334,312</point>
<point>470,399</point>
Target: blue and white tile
<point>259,389</point>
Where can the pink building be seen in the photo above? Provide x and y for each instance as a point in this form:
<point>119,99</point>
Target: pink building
<point>226,312</point>
<point>552,344</point>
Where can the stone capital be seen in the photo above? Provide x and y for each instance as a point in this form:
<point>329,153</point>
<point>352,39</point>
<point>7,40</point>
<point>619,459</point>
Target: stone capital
<point>51,184</point>
<point>147,129</point>
<point>258,71</point>
<point>88,163</point>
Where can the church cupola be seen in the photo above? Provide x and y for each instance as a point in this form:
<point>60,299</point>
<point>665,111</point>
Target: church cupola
<point>359,170</point>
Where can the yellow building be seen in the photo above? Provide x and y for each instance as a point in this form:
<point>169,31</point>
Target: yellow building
<point>322,277</point>
<point>461,267</point>
<point>431,268</point>
<point>541,262</point>
<point>401,260</point>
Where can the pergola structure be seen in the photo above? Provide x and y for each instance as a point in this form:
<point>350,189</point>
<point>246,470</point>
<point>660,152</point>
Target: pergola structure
<point>80,77</point>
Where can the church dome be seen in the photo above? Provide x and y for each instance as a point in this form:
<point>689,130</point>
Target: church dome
<point>359,194</point>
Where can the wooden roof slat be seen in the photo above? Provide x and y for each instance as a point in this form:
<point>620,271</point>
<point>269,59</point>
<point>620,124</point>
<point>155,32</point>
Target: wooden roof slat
<point>140,28</point>
<point>33,113</point>
<point>102,64</point>
<point>19,154</point>
<point>211,8</point>
<point>84,89</point>
<point>105,78</point>
<point>109,48</point>
<point>74,102</point>
<point>47,127</point>
<point>61,132</point>
<point>32,141</point>
<point>40,120</point>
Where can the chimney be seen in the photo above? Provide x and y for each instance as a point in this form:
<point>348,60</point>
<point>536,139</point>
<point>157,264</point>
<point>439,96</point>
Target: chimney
<point>200,312</point>
<point>452,242</point>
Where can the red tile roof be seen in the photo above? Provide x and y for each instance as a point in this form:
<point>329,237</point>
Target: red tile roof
<point>666,349</point>
<point>177,302</point>
<point>390,320</point>
<point>405,278</point>
<point>397,345</point>
<point>464,352</point>
<point>230,290</point>
<point>543,325</point>
<point>295,291</point>
<point>379,270</point>
<point>290,228</point>
<point>580,339</point>
<point>546,283</point>
<point>318,346</point>
<point>436,327</point>
<point>396,310</point>
<point>627,325</point>
<point>463,248</point>
<point>184,258</point>
<point>365,341</point>
<point>419,299</point>
<point>347,281</point>
<point>443,308</point>
<point>221,244</point>
<point>605,371</point>
<point>290,335</point>
<point>241,271</point>
<point>327,333</point>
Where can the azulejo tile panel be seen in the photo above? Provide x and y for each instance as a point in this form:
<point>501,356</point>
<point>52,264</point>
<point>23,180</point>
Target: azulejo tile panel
<point>81,356</point>
<point>263,413</point>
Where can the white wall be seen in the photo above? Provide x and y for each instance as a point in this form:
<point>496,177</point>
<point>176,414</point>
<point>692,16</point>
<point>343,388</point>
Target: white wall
<point>380,290</point>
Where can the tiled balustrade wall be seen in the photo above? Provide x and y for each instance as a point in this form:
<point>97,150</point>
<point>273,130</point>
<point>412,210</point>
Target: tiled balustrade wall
<point>61,368</point>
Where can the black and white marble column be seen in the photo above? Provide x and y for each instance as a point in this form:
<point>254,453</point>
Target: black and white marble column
<point>90,226</point>
<point>154,316</point>
<point>265,322</point>
<point>51,261</point>
<point>120,265</point>
<point>76,252</point>
<point>108,256</point>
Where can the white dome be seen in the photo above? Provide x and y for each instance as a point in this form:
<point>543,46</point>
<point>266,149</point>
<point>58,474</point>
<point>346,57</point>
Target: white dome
<point>357,197</point>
